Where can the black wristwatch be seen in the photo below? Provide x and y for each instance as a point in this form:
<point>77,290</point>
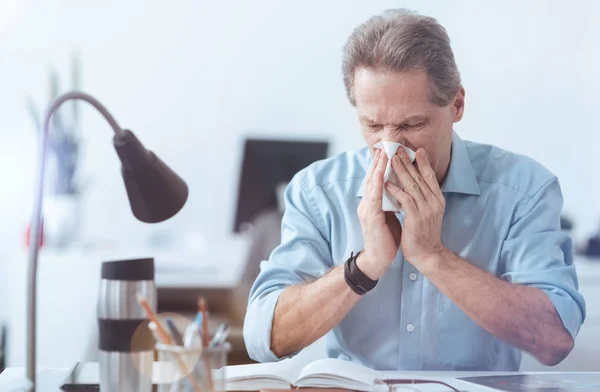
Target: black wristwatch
<point>356,279</point>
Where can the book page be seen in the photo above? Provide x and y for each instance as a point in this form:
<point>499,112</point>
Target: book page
<point>284,371</point>
<point>336,372</point>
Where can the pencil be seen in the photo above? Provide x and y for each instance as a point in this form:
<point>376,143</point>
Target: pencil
<point>162,332</point>
<point>205,339</point>
<point>202,308</point>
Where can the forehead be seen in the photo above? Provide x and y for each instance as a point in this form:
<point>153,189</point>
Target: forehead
<point>386,96</point>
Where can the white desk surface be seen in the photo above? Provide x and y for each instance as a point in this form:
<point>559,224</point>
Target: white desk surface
<point>49,379</point>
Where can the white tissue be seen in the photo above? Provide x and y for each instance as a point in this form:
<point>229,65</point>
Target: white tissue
<point>389,202</point>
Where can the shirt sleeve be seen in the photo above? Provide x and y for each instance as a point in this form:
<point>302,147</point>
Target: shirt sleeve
<point>303,256</point>
<point>538,253</point>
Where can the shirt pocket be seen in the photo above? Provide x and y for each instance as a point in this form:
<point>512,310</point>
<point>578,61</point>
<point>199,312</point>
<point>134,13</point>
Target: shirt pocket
<point>461,343</point>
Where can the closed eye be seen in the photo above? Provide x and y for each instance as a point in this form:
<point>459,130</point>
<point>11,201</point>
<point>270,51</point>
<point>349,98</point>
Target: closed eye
<point>413,126</point>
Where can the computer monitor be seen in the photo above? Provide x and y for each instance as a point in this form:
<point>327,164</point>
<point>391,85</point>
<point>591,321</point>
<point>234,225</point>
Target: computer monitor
<point>267,163</point>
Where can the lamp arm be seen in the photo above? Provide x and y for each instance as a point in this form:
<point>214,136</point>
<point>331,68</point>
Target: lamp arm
<point>36,224</point>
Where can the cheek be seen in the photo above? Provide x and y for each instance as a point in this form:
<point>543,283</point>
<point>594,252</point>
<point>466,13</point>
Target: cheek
<point>430,143</point>
<point>418,140</point>
<point>437,152</point>
<point>371,138</point>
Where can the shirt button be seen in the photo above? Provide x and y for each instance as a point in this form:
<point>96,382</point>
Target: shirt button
<point>412,276</point>
<point>410,327</point>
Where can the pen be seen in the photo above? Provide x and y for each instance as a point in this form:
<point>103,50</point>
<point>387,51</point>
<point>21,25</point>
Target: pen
<point>174,332</point>
<point>192,332</point>
<point>192,336</point>
<point>220,336</point>
<point>198,319</point>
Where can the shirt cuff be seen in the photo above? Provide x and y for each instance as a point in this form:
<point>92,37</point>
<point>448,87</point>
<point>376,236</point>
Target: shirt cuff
<point>567,308</point>
<point>258,325</point>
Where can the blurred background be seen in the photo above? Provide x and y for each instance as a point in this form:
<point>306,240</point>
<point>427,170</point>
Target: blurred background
<point>237,96</point>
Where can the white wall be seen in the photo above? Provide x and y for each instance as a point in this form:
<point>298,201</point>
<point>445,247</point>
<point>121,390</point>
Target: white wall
<point>193,77</point>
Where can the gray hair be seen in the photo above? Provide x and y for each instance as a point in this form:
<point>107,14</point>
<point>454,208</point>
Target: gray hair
<point>402,40</point>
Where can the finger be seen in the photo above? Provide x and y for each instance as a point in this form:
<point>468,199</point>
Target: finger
<point>413,171</point>
<point>407,201</point>
<point>429,175</point>
<point>373,164</point>
<point>419,178</point>
<point>401,165</point>
<point>376,156</point>
<point>376,190</point>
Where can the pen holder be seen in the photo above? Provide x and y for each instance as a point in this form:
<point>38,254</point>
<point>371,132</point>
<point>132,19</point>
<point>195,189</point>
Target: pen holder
<point>192,369</point>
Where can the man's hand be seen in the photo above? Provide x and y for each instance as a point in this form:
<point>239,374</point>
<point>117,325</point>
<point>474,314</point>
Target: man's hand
<point>381,230</point>
<point>504,309</point>
<point>423,203</point>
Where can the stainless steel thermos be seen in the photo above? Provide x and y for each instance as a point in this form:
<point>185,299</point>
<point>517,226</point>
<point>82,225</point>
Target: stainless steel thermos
<point>125,342</point>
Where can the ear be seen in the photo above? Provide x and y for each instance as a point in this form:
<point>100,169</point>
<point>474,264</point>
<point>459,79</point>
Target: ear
<point>459,104</point>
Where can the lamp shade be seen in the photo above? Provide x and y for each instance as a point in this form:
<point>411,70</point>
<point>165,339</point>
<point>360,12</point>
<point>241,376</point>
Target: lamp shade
<point>156,193</point>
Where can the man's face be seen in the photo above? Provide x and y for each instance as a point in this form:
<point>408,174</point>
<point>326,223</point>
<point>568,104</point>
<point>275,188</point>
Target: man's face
<point>396,107</point>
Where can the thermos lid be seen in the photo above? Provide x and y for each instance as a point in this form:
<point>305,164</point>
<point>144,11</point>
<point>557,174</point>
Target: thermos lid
<point>132,269</point>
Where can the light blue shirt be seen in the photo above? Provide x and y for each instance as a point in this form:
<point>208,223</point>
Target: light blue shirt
<point>502,215</point>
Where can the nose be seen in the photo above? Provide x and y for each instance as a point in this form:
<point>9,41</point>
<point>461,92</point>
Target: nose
<point>395,135</point>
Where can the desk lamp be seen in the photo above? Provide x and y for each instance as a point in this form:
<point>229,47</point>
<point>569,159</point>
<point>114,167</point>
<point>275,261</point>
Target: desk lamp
<point>155,193</point>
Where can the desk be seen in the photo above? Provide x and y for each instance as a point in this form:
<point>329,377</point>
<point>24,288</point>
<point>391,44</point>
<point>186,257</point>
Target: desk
<point>49,379</point>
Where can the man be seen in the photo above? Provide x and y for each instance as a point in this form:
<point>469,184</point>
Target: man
<point>473,271</point>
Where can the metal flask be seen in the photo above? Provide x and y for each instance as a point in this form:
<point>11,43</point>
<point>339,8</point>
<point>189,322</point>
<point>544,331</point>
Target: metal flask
<point>125,343</point>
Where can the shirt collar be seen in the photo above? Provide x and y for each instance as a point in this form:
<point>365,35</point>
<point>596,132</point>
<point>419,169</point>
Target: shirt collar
<point>461,176</point>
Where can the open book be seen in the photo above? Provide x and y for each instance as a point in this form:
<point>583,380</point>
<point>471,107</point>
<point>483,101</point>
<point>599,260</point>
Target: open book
<point>323,373</point>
